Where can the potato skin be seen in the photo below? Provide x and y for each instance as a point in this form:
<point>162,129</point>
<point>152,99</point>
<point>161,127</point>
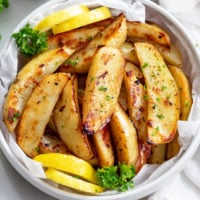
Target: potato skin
<point>52,144</point>
<point>148,31</point>
<point>38,111</point>
<point>27,79</point>
<point>163,95</point>
<point>77,38</point>
<point>114,35</point>
<point>124,137</point>
<point>68,121</point>
<point>102,88</point>
<point>137,104</point>
<point>157,155</point>
<point>185,105</point>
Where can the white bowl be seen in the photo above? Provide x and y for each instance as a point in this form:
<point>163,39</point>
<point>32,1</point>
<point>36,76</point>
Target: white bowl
<point>179,35</point>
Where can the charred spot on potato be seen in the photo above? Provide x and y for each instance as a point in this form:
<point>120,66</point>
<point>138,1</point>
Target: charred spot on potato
<point>13,115</point>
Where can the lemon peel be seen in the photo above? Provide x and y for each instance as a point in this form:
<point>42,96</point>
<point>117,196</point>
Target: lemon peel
<point>83,19</point>
<point>59,16</point>
<point>68,163</point>
<point>72,182</point>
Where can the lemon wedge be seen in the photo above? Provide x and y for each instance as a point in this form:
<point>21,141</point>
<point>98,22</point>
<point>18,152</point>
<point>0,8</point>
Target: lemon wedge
<point>60,16</point>
<point>83,19</point>
<point>72,182</point>
<point>68,163</point>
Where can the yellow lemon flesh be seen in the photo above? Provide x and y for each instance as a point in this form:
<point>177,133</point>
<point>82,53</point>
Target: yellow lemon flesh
<point>60,16</point>
<point>84,19</point>
<point>72,182</point>
<point>68,163</point>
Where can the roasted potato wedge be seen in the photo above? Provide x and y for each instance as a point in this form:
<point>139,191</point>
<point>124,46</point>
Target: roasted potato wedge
<point>27,79</point>
<point>113,35</point>
<point>184,91</point>
<point>103,147</point>
<point>102,88</point>
<point>171,55</point>
<point>163,95</point>
<point>137,103</point>
<point>124,137</point>
<point>52,144</point>
<point>173,147</point>
<point>148,32</point>
<point>77,38</point>
<point>128,51</point>
<point>157,155</point>
<point>143,155</point>
<point>185,105</point>
<point>122,100</point>
<point>68,121</point>
<point>37,112</point>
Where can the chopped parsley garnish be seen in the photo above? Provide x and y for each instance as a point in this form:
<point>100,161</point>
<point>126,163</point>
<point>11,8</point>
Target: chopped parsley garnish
<point>144,65</point>
<point>161,116</point>
<point>30,42</point>
<point>145,97</point>
<point>73,63</point>
<point>116,177</point>
<point>163,88</point>
<point>102,88</point>
<point>108,98</point>
<point>3,4</point>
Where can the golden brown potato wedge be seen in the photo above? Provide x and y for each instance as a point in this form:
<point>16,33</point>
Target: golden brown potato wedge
<point>137,103</point>
<point>113,35</point>
<point>102,88</point>
<point>184,91</point>
<point>37,112</point>
<point>173,147</point>
<point>185,105</point>
<point>143,155</point>
<point>52,144</point>
<point>68,121</point>
<point>26,80</point>
<point>157,155</point>
<point>163,95</point>
<point>171,54</point>
<point>103,147</point>
<point>148,32</point>
<point>124,137</point>
<point>51,124</point>
<point>128,51</point>
<point>77,38</point>
<point>122,99</point>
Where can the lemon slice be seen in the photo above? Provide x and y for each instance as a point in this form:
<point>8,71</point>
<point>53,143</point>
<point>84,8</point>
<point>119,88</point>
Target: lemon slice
<point>83,19</point>
<point>72,182</point>
<point>68,163</point>
<point>60,16</point>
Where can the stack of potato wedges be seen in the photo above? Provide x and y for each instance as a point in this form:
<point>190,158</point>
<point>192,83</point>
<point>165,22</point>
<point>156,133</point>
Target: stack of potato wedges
<point>108,92</point>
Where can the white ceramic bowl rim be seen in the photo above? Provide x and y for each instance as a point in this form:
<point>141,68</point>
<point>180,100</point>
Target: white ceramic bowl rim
<point>136,193</point>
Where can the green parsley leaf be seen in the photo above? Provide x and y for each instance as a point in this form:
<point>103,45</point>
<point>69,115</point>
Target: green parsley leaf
<point>144,65</point>
<point>3,4</point>
<point>116,177</point>
<point>73,63</point>
<point>102,88</point>
<point>30,41</point>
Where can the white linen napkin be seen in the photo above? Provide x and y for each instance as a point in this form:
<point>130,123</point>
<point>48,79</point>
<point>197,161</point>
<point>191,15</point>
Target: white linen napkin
<point>185,185</point>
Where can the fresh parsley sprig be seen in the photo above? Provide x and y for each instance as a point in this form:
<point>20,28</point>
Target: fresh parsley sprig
<point>116,177</point>
<point>3,4</point>
<point>30,42</point>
